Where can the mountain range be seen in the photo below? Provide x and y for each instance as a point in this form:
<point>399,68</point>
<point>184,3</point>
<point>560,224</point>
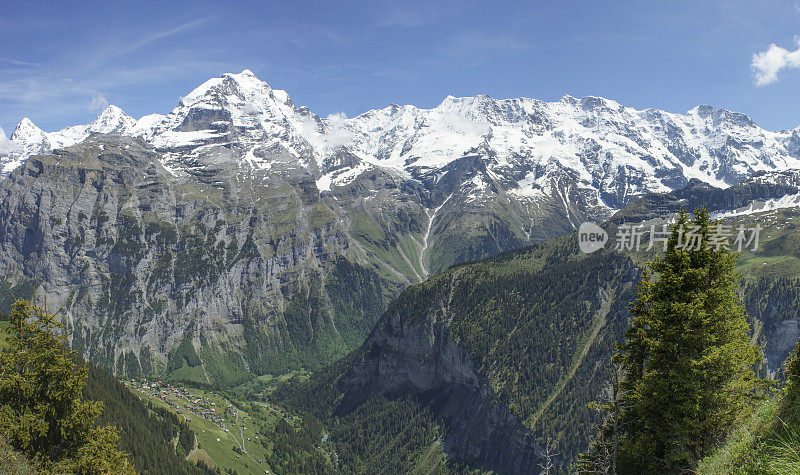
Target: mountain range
<point>588,156</point>
<point>420,259</point>
<point>272,239</point>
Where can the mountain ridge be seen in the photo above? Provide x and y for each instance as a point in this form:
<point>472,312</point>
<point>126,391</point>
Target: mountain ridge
<point>271,239</point>
<point>601,142</point>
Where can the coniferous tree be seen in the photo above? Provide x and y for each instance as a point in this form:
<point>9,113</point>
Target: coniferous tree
<point>42,412</point>
<point>687,358</point>
<point>602,454</point>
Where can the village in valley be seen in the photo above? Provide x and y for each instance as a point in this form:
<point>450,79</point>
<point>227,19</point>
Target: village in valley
<point>229,435</point>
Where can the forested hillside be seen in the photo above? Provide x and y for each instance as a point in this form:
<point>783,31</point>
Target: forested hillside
<point>153,438</point>
<point>157,441</point>
<point>531,332</point>
<point>491,350</point>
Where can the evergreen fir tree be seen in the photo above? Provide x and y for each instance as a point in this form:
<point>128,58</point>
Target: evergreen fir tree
<point>42,412</point>
<point>687,358</point>
<point>602,454</point>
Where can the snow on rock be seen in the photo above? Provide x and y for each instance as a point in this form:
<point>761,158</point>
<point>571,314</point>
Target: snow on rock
<point>761,206</point>
<point>30,138</point>
<point>609,152</point>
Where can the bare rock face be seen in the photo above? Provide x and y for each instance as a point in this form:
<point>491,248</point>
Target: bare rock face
<point>140,258</point>
<point>414,357</point>
<point>273,239</point>
<point>772,306</point>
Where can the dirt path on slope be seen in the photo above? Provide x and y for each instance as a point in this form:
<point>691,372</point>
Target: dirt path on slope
<point>600,319</point>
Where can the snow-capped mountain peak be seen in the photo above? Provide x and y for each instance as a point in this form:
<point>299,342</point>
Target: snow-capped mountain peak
<point>26,130</point>
<point>612,152</point>
<point>112,120</point>
<point>225,90</point>
<point>30,139</point>
<point>235,107</point>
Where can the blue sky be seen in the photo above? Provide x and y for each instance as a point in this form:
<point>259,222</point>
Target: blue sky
<point>60,63</point>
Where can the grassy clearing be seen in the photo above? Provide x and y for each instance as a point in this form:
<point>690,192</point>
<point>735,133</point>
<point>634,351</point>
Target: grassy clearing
<point>225,449</point>
<point>200,455</point>
<point>249,424</point>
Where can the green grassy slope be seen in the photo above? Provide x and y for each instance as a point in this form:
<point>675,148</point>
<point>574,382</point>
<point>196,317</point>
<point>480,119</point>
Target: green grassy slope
<point>767,440</point>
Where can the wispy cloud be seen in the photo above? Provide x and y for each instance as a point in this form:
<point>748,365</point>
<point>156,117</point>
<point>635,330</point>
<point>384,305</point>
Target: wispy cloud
<point>6,145</point>
<point>54,94</point>
<point>97,103</point>
<point>118,48</point>
<point>472,49</point>
<point>768,63</point>
<point>156,36</point>
<point>80,80</point>
<point>17,62</point>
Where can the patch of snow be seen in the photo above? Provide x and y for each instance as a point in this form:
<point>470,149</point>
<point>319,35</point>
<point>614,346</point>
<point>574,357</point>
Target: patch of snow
<point>173,138</point>
<point>324,182</point>
<point>758,206</point>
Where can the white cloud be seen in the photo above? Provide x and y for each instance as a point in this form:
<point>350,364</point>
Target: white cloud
<point>98,102</point>
<point>768,63</point>
<point>332,134</point>
<point>337,132</point>
<point>6,145</point>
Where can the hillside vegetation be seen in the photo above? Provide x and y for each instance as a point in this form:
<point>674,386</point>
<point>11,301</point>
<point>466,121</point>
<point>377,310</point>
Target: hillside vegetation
<point>146,431</point>
<point>42,412</point>
<point>63,415</point>
<point>538,324</point>
<point>766,440</point>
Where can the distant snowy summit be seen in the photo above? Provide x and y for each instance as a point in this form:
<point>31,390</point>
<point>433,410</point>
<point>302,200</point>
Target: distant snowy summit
<point>608,153</point>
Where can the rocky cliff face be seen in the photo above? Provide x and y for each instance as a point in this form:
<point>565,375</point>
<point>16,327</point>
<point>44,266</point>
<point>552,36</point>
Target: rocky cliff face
<point>272,238</point>
<point>259,274</point>
<point>407,357</point>
<point>774,305</point>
